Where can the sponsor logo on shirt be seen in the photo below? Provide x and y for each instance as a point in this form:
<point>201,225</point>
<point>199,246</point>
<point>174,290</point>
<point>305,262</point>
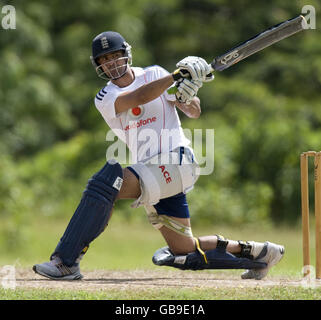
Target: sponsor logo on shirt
<point>140,123</point>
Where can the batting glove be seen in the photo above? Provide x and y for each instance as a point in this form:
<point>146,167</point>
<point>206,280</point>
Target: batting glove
<point>197,68</point>
<point>187,90</point>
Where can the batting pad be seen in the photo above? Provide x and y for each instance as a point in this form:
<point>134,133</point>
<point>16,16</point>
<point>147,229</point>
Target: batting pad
<point>92,214</point>
<point>217,258</point>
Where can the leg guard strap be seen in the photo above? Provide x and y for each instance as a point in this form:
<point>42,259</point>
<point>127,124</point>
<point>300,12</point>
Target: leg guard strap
<point>201,252</point>
<point>246,248</point>
<point>160,220</point>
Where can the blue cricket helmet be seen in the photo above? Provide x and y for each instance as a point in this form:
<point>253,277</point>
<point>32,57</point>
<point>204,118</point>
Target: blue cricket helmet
<point>107,42</point>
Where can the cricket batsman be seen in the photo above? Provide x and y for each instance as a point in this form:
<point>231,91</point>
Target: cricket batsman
<point>133,100</point>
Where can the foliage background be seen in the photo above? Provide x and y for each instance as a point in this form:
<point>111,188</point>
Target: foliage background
<point>265,110</point>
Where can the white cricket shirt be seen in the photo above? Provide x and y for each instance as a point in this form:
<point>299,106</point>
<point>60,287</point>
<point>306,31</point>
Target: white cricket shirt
<point>149,129</point>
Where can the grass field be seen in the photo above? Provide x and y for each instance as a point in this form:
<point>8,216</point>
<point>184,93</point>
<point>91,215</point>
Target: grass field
<point>257,293</point>
<point>118,266</point>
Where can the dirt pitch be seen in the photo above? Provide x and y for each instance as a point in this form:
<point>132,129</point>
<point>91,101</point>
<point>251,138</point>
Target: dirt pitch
<point>136,279</point>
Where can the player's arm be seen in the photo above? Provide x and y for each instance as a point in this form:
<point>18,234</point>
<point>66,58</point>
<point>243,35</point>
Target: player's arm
<point>196,67</point>
<point>192,110</point>
<point>143,94</point>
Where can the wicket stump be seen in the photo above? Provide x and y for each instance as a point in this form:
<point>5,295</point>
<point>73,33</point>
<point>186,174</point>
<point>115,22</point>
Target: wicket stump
<point>304,164</point>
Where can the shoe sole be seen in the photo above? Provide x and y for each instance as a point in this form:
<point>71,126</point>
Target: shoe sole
<point>67,277</point>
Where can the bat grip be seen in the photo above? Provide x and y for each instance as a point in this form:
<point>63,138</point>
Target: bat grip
<point>182,74</point>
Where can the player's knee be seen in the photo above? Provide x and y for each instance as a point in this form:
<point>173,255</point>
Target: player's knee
<point>130,188</point>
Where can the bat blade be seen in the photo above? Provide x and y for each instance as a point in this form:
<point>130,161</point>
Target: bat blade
<point>259,42</point>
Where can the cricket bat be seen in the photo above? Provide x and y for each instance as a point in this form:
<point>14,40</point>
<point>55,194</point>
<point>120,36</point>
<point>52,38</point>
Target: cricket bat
<point>247,48</point>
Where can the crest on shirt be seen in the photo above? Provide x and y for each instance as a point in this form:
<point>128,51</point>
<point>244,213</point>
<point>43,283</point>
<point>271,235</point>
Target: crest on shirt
<point>136,112</point>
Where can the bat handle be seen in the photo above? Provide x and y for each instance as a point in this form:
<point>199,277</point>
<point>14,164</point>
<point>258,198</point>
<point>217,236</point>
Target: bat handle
<point>181,74</point>
<point>177,75</point>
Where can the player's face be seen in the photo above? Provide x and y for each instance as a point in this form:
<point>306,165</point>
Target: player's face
<point>114,64</point>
